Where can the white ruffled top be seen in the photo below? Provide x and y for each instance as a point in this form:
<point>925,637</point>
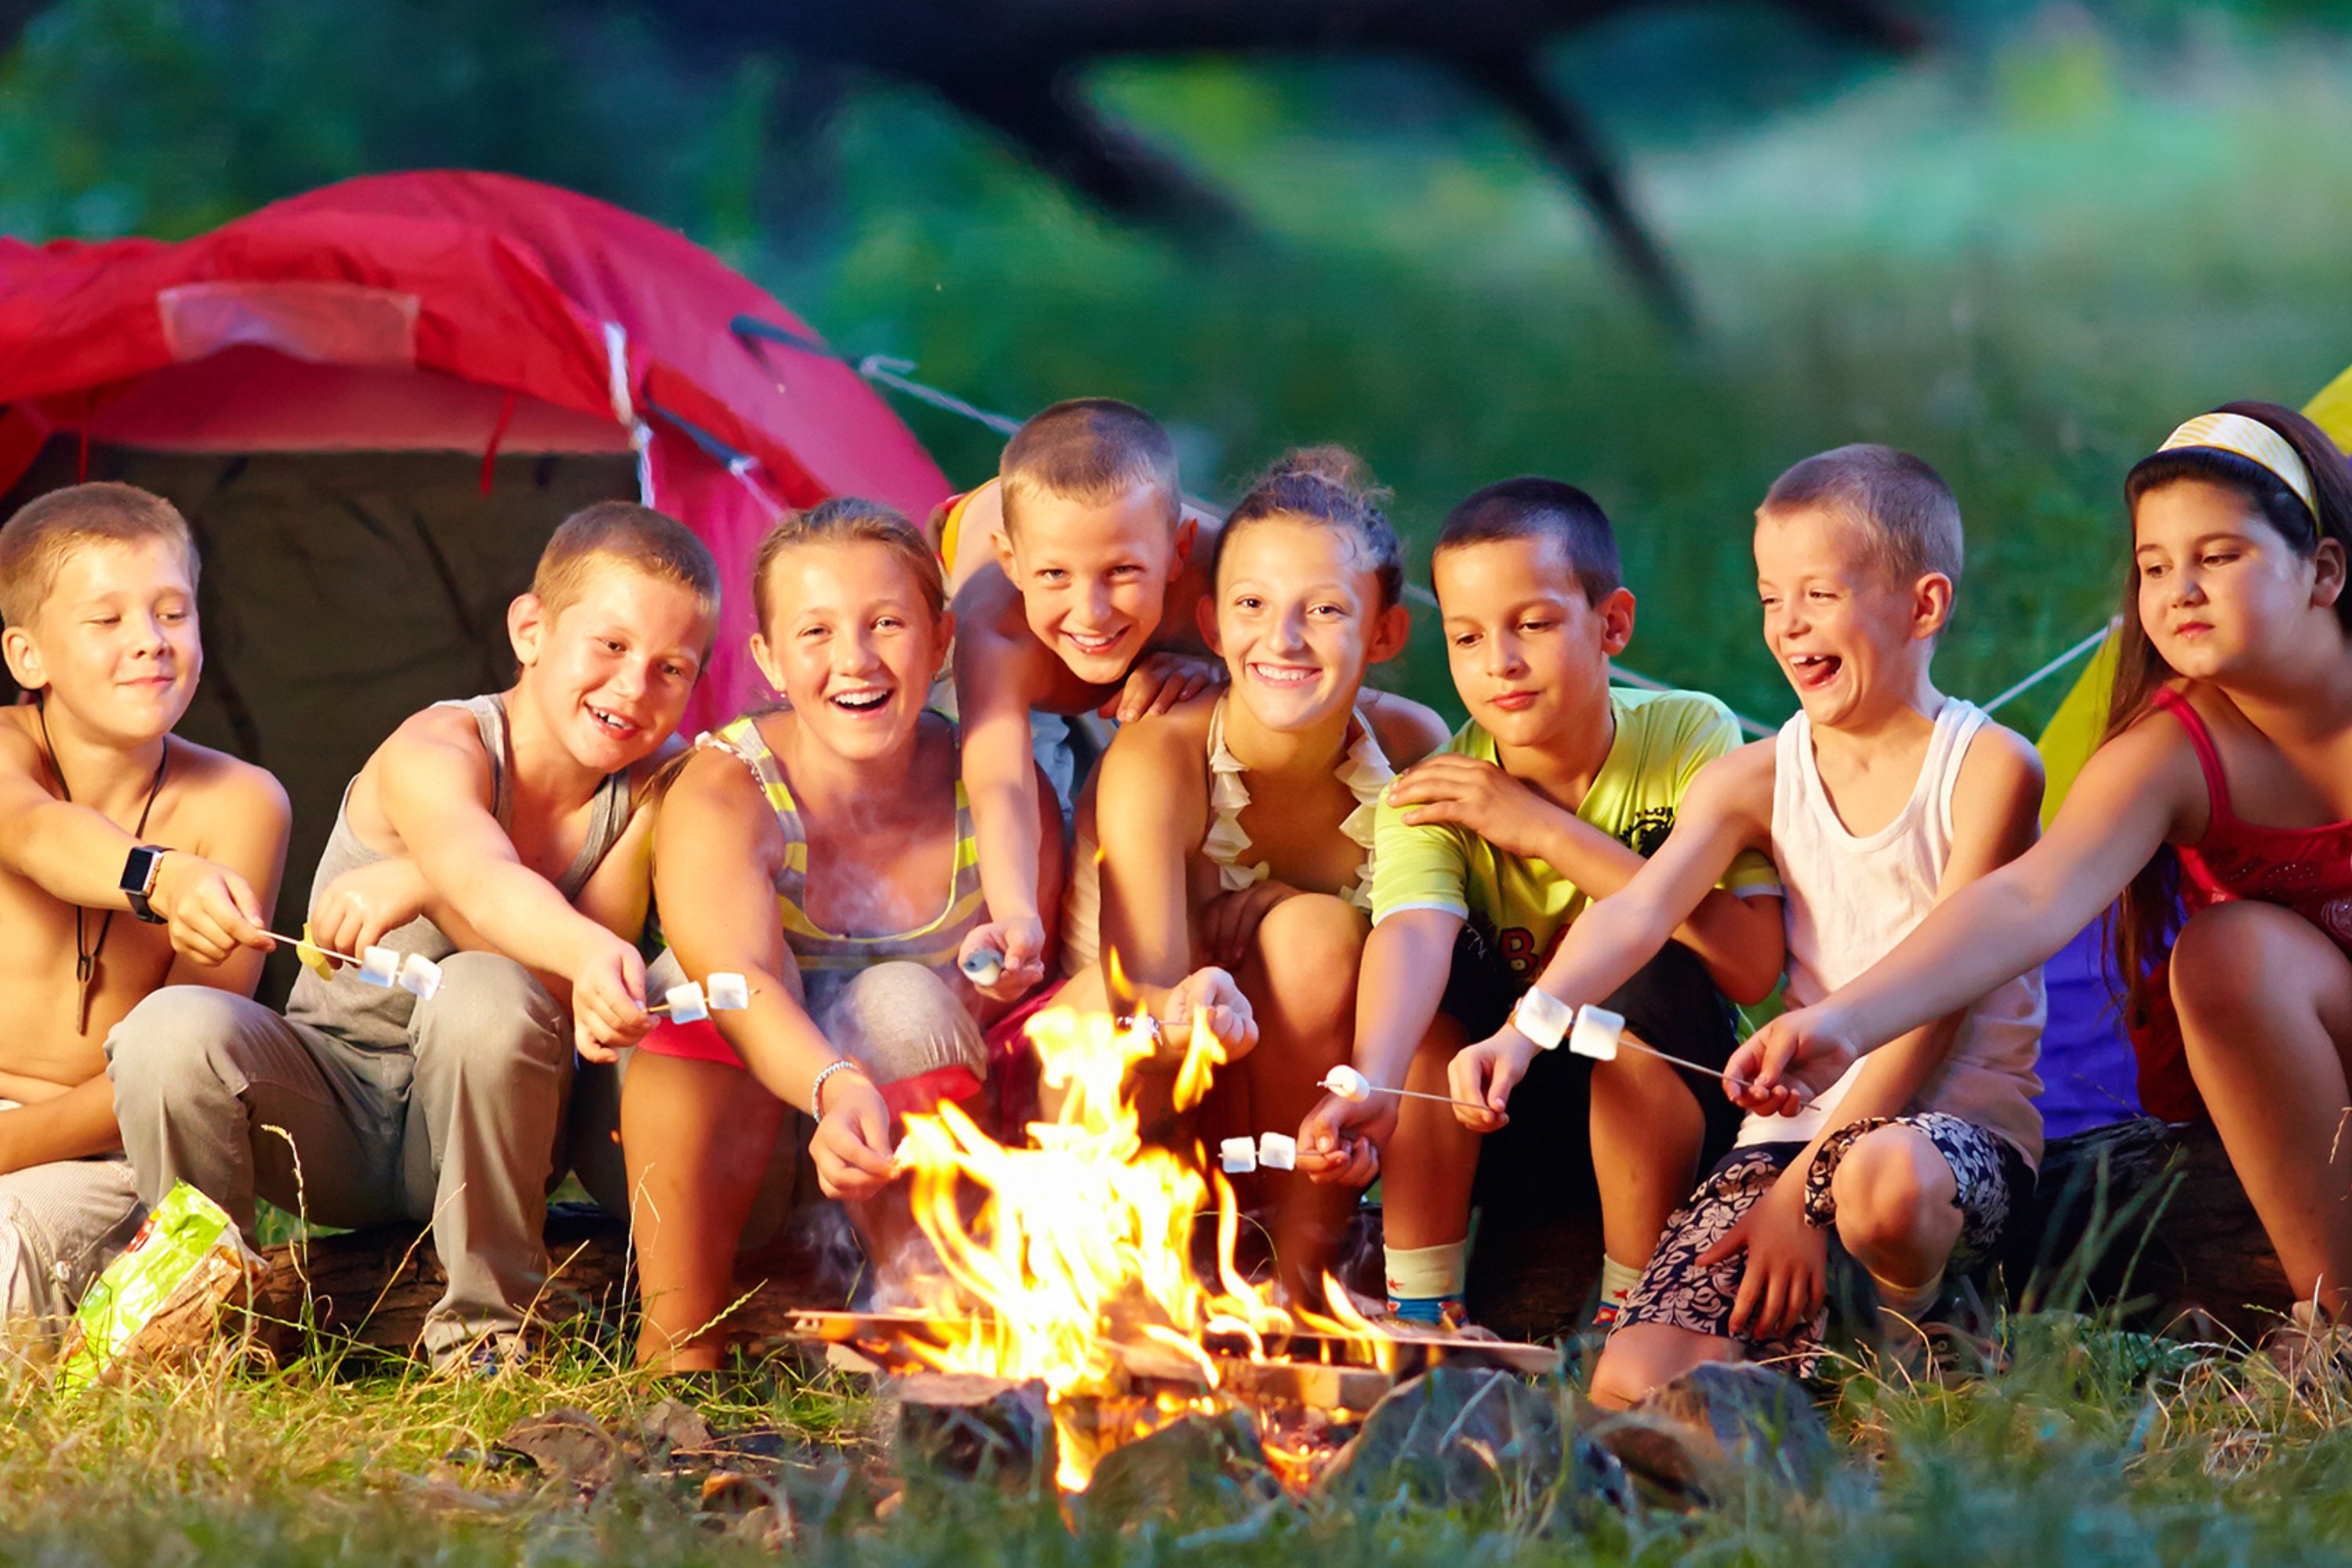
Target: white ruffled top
<point>1364,770</point>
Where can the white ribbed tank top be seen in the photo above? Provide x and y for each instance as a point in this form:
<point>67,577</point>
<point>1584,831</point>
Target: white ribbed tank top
<point>1852,898</point>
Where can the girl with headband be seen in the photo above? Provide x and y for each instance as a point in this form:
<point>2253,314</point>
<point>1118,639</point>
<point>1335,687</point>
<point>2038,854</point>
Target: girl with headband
<point>2217,819</point>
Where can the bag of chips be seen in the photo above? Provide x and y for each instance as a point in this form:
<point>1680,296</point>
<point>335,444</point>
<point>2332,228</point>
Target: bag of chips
<point>159,1303</point>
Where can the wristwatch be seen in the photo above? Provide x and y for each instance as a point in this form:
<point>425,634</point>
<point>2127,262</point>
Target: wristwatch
<point>139,880</point>
<point>1542,1017</point>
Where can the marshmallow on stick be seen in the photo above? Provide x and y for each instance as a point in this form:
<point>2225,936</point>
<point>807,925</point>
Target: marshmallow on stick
<point>984,966</point>
<point>1278,1150</point>
<point>691,1003</point>
<point>1238,1155</point>
<point>1355,1088</point>
<point>1600,1034</point>
<point>1174,1031</point>
<point>385,966</point>
<point>419,976</point>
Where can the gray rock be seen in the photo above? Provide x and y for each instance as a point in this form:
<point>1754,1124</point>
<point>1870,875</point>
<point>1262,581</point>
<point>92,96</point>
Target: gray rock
<point>1196,1465</point>
<point>672,1426</point>
<point>568,1444</point>
<point>1454,1435</point>
<point>1706,1431</point>
<point>962,1427</point>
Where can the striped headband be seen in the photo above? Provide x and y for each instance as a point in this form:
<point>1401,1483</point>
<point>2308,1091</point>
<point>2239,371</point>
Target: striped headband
<point>2250,439</point>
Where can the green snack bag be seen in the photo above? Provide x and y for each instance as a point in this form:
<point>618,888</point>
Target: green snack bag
<point>162,1297</point>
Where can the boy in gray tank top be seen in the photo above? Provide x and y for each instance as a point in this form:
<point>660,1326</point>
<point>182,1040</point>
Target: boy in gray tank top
<point>496,837</point>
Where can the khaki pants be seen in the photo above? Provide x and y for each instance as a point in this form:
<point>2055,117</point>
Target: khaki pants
<point>456,1126</point>
<point>60,1224</point>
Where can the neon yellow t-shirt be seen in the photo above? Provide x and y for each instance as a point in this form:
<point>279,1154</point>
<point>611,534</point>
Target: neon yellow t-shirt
<point>1664,738</point>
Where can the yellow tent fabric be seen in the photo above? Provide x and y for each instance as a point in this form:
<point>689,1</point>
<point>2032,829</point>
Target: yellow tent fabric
<point>2332,410</point>
<point>2074,731</point>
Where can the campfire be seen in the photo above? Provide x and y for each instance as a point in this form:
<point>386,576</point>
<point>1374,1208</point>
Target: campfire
<point>1076,1270</point>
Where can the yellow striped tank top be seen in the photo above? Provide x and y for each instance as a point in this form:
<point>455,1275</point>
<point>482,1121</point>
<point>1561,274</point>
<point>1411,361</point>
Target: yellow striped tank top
<point>824,958</point>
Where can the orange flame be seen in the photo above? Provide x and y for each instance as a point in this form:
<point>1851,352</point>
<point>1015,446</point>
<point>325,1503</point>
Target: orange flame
<point>1078,1263</point>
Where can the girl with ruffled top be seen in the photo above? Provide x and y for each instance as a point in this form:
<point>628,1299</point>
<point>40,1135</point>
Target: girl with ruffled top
<point>1223,863</point>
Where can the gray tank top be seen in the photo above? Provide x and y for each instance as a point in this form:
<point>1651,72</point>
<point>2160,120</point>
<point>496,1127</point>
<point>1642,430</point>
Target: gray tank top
<point>364,1014</point>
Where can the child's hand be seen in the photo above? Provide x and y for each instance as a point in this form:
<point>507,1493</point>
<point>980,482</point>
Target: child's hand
<point>1160,680</point>
<point>1020,943</point>
<point>1485,1074</point>
<point>1339,1142</point>
<point>208,909</point>
<point>1781,1289</point>
<point>1229,920</point>
<point>1467,792</point>
<point>358,908</point>
<point>1216,996</point>
<point>1790,1060</point>
<point>608,1000</point>
<point>851,1146</point>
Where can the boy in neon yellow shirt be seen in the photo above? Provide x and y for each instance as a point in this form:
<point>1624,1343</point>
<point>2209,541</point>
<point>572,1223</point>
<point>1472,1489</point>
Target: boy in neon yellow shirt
<point>1548,798</point>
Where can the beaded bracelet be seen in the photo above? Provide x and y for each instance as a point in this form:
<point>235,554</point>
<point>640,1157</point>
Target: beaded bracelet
<point>817,1090</point>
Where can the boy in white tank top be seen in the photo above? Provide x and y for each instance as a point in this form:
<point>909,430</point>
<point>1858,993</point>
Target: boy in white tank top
<point>1881,797</point>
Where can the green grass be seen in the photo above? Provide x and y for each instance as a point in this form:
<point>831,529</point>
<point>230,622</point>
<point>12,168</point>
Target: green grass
<point>2096,1448</point>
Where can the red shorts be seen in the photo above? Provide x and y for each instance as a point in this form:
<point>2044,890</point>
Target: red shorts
<point>700,1041</point>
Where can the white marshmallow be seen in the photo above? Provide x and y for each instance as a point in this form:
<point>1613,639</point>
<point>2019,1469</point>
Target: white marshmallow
<point>379,966</point>
<point>1347,1083</point>
<point>1278,1150</point>
<point>1238,1155</point>
<point>686,1004</point>
<point>420,976</point>
<point>727,993</point>
<point>1596,1034</point>
<point>984,966</point>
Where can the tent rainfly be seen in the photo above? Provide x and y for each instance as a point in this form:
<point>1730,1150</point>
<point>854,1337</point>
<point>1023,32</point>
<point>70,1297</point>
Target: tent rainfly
<point>374,401</point>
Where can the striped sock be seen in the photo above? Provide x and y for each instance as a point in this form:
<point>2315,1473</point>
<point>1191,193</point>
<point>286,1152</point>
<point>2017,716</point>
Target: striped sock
<point>1424,1279</point>
<point>1617,1282</point>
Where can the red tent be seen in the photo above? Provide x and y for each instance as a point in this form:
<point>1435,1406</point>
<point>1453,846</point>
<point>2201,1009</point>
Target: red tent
<point>454,312</point>
<point>374,402</point>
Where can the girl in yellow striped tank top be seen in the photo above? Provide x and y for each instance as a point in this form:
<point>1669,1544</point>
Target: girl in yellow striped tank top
<point>823,851</point>
<point>827,960</point>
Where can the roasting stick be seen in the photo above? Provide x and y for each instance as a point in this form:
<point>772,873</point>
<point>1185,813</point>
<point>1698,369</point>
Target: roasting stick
<point>304,947</point>
<point>421,977</point>
<point>413,973</point>
<point>688,1003</point>
<point>1350,1085</point>
<point>1598,1034</point>
<point>1701,1069</point>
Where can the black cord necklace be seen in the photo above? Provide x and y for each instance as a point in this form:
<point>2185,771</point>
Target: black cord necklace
<point>85,955</point>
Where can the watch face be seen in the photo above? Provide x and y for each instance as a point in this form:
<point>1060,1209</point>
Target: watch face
<point>139,871</point>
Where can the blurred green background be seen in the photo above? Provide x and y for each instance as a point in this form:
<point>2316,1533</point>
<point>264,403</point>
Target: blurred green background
<point>2024,252</point>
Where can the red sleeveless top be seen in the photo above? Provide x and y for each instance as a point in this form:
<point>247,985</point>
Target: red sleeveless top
<point>2305,869</point>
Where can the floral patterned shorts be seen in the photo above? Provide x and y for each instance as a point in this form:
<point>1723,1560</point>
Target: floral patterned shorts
<point>1989,1176</point>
